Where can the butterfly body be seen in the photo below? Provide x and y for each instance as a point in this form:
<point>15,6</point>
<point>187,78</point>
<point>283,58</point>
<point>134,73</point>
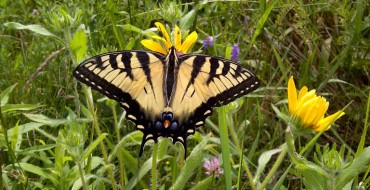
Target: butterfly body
<point>166,95</point>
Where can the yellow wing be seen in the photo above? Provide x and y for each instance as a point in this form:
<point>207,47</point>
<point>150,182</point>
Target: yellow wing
<point>133,78</point>
<point>205,82</point>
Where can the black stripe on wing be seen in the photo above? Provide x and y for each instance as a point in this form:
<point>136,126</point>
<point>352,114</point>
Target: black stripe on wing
<point>95,71</point>
<point>236,82</point>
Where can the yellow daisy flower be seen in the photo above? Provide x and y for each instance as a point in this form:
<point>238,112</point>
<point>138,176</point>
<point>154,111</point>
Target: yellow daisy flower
<point>163,44</point>
<point>309,109</point>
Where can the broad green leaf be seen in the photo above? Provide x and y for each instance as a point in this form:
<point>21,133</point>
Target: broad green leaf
<point>359,164</point>
<point>78,44</point>
<point>204,184</point>
<point>93,145</point>
<point>14,138</point>
<point>4,96</point>
<point>263,160</point>
<point>194,161</point>
<point>33,27</point>
<point>144,169</point>
<point>38,171</point>
<point>37,148</point>
<point>187,21</point>
<point>126,140</point>
<point>129,27</point>
<point>24,128</point>
<point>314,177</point>
<point>228,52</point>
<point>19,107</point>
<point>77,185</point>
<point>280,115</point>
<point>45,120</point>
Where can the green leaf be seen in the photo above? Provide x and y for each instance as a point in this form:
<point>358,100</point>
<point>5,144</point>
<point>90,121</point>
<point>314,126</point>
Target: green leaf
<point>314,177</point>
<point>204,184</point>
<point>187,21</point>
<point>78,44</point>
<point>225,146</point>
<point>261,22</point>
<point>33,27</point>
<point>24,128</point>
<point>93,145</point>
<point>194,160</point>
<point>38,171</point>
<point>144,169</point>
<point>45,120</point>
<point>4,96</point>
<point>129,27</point>
<point>78,183</point>
<point>263,160</point>
<point>359,164</point>
<point>37,148</point>
<point>14,138</point>
<point>19,107</point>
<point>280,115</point>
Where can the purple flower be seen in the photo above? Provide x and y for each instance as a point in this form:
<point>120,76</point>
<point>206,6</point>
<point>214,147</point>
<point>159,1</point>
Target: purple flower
<point>246,19</point>
<point>35,12</point>
<point>208,42</point>
<point>213,167</point>
<point>235,51</point>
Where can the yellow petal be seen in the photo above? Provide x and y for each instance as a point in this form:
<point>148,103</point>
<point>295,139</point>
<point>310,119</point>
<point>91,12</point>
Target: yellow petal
<point>304,111</point>
<point>302,92</point>
<point>292,95</point>
<point>154,46</point>
<point>325,123</point>
<point>177,34</point>
<point>166,44</point>
<point>322,107</point>
<point>189,41</point>
<point>162,29</point>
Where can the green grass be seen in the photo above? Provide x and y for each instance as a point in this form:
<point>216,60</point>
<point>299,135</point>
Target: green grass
<point>58,134</point>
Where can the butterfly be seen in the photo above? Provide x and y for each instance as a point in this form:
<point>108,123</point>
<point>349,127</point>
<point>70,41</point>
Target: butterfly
<point>166,95</point>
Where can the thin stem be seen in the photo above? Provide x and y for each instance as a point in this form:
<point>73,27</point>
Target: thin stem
<point>249,175</point>
<point>275,166</point>
<point>154,166</point>
<point>80,170</point>
<point>98,132</point>
<point>119,153</point>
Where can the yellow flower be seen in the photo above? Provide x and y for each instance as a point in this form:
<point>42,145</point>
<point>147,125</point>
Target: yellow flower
<point>309,109</point>
<point>163,44</point>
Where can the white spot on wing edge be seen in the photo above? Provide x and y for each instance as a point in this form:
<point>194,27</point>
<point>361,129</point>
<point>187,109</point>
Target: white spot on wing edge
<point>140,126</point>
<point>199,123</point>
<point>191,130</point>
<point>131,117</point>
<point>125,105</point>
<point>207,112</point>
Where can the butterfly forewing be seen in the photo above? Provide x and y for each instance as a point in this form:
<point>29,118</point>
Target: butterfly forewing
<point>205,82</point>
<point>133,78</point>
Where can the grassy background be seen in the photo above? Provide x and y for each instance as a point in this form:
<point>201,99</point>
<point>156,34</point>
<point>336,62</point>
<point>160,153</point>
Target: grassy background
<point>325,45</point>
